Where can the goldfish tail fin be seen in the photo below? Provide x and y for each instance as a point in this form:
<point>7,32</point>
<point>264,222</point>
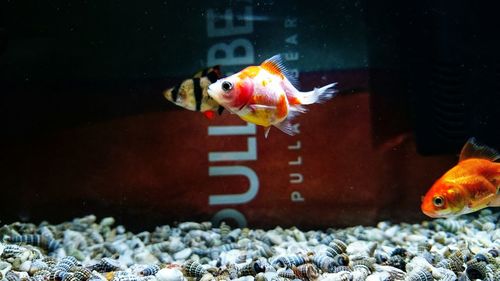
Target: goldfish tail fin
<point>318,95</point>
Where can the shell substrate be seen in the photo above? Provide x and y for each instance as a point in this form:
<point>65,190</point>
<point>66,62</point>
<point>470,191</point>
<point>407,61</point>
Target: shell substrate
<point>463,248</point>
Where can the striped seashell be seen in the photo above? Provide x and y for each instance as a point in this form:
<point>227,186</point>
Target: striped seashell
<point>444,274</point>
<point>341,268</point>
<point>306,272</point>
<point>341,259</point>
<point>66,263</point>
<point>395,273</point>
<point>419,274</point>
<point>360,272</point>
<point>150,270</point>
<point>478,270</point>
<point>32,239</point>
<point>336,247</point>
<point>286,273</point>
<point>289,261</point>
<point>327,239</point>
<point>397,262</point>
<point>252,268</point>
<point>265,250</point>
<point>58,275</point>
<point>399,252</point>
<point>453,263</point>
<point>224,229</point>
<point>106,265</point>
<point>81,274</point>
<point>194,269</point>
<point>50,261</point>
<point>12,251</point>
<point>12,276</point>
<point>337,276</point>
<point>324,262</point>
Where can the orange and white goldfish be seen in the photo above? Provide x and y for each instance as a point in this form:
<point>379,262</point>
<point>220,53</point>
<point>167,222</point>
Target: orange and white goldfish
<point>264,95</point>
<point>192,94</point>
<point>471,185</point>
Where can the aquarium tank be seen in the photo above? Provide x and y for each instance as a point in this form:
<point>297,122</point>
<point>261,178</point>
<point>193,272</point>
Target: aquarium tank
<point>249,140</point>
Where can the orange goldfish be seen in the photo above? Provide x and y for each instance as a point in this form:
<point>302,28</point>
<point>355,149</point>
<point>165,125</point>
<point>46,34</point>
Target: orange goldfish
<point>471,185</point>
<point>264,95</point>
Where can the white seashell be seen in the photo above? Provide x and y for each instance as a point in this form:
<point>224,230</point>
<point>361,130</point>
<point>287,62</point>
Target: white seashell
<point>145,258</point>
<point>378,276</point>
<point>25,266</point>
<point>391,231</point>
<point>339,276</point>
<point>108,221</point>
<point>183,254</point>
<point>4,268</point>
<point>169,274</point>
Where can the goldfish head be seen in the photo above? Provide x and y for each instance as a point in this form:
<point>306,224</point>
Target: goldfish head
<point>232,92</point>
<point>444,199</point>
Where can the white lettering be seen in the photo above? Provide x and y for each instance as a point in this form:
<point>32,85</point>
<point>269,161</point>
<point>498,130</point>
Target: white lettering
<point>296,146</point>
<point>292,39</point>
<point>296,197</point>
<point>250,154</point>
<point>234,198</point>
<point>228,51</point>
<point>296,178</point>
<point>229,28</point>
<point>249,129</point>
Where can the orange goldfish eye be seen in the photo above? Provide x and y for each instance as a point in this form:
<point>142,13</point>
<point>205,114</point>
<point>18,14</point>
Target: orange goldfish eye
<point>438,201</point>
<point>227,86</point>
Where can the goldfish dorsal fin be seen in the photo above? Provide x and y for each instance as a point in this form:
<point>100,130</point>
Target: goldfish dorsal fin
<point>276,66</point>
<point>472,149</point>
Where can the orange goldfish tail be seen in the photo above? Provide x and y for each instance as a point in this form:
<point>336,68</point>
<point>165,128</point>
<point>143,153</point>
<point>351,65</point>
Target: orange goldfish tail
<point>317,95</point>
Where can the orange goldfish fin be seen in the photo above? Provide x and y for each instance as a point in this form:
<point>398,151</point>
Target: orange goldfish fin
<point>276,66</point>
<point>472,149</point>
<point>483,202</point>
<point>210,114</point>
<point>495,202</point>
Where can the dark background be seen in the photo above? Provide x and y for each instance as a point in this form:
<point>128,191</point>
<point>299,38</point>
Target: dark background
<point>432,68</point>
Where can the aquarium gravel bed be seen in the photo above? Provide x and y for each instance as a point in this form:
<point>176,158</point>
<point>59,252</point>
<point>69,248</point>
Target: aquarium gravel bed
<point>464,248</point>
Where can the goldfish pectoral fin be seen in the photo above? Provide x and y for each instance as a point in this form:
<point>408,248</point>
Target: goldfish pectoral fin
<point>287,127</point>
<point>495,202</point>
<point>473,149</point>
<point>266,132</point>
<point>482,203</point>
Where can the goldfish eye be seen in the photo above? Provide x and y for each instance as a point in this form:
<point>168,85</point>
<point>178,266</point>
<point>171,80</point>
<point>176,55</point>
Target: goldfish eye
<point>438,201</point>
<point>227,86</point>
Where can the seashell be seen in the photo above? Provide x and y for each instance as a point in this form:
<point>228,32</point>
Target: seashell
<point>150,270</point>
<point>379,276</point>
<point>260,277</point>
<point>444,274</point>
<point>207,277</point>
<point>66,263</point>
<point>169,274</point>
<point>420,274</point>
<point>183,254</point>
<point>289,261</point>
<point>252,269</point>
<point>286,273</point>
<point>342,259</point>
<point>336,247</point>
<point>341,268</point>
<point>395,273</point>
<point>194,269</point>
<point>306,271</point>
<point>106,265</point>
<point>81,274</point>
<point>478,270</point>
<point>4,268</point>
<point>324,262</point>
<point>397,261</point>
<point>338,276</point>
